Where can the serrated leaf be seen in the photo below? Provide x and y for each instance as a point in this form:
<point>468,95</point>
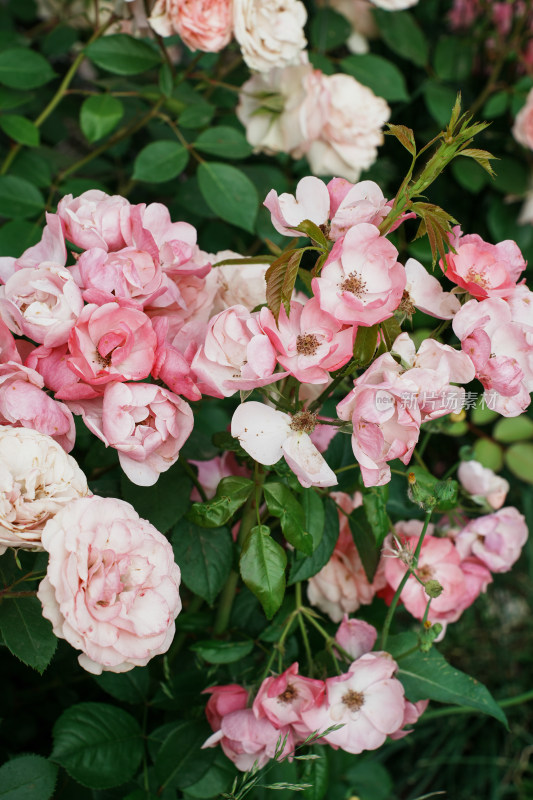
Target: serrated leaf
<point>99,745</point>
<point>129,687</point>
<point>231,494</point>
<point>313,232</point>
<point>404,135</point>
<point>205,557</point>
<point>314,515</point>
<point>20,129</point>
<point>283,504</point>
<point>304,567</point>
<point>160,161</point>
<point>390,330</point>
<point>274,277</point>
<point>181,761</point>
<point>375,506</point>
<point>365,541</point>
<point>152,502</point>
<point>365,344</point>
<point>28,777</point>
<point>229,193</point>
<point>27,634</point>
<point>481,157</point>
<point>99,115</point>
<point>122,54</point>
<point>262,566</point>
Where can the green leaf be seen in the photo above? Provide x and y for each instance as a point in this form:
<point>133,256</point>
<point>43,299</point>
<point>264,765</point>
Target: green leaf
<point>454,57</point>
<point>160,161</point>
<point>231,494</point>
<point>365,344</point>
<point>197,115</point>
<point>214,781</point>
<point>519,459</point>
<point>390,329</point>
<point>489,454</point>
<point>99,115</point>
<point>122,54</point>
<point>166,81</point>
<point>510,176</point>
<point>282,503</point>
<point>365,541</point>
<point>19,198</point>
<point>22,68</point>
<point>181,761</point>
<point>429,676</point>
<point>469,175</point>
<point>429,488</point>
<point>229,193</point>
<point>217,652</point>
<point>513,429</point>
<point>371,780</point>
<point>481,414</point>
<point>99,745</point>
<point>20,129</point>
<point>314,515</point>
<point>129,687</point>
<point>404,135</point>
<point>262,566</point>
<point>305,567</point>
<point>162,504</point>
<point>205,557</point>
<point>316,772</point>
<point>375,506</point>
<point>223,141</point>
<point>26,633</point>
<point>496,105</point>
<point>329,30</point>
<point>380,75</point>
<point>28,777</point>
<point>17,235</point>
<point>403,35</point>
<point>439,101</point>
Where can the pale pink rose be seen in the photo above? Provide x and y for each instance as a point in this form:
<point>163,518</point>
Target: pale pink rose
<point>211,472</point>
<point>95,219</point>
<point>41,303</point>
<point>495,539</point>
<point>236,355</point>
<point>37,479</point>
<point>23,403</point>
<point>482,483</point>
<point>237,284</point>
<point>310,203</point>
<point>520,301</point>
<point>205,25</point>
<point>385,426</point>
<point>426,293</point>
<point>367,700</point>
<point>283,110</point>
<point>110,343</point>
<point>188,299</point>
<point>224,700</point>
<point>111,588</point>
<point>361,282</point>
<point>352,130</point>
<point>52,365</point>
<point>247,740</point>
<point>270,33</point>
<point>267,434</point>
<point>146,424</point>
<point>356,636</point>
<point>412,711</point>
<point>440,561</point>
<point>284,698</point>
<point>483,269</point>
<point>170,365</point>
<point>8,345</point>
<point>523,124</point>
<point>310,343</point>
<point>355,203</point>
<point>127,273</point>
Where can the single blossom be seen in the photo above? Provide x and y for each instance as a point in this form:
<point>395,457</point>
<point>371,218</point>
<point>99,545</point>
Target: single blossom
<point>283,699</point>
<point>495,539</point>
<point>111,587</point>
<point>355,636</point>
<point>267,434</point>
<point>37,479</point>
<point>355,203</point>
<point>205,25</point>
<point>95,219</point>
<point>129,273</point>
<point>247,740</point>
<point>224,700</point>
<point>270,33</point>
<point>482,483</point>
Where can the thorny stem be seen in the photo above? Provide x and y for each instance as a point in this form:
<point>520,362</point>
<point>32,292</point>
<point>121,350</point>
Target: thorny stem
<point>396,598</point>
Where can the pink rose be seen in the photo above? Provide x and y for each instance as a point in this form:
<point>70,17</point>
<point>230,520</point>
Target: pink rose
<point>127,273</point>
<point>110,343</point>
<point>205,25</point>
<point>224,700</point>
<point>246,739</point>
<point>361,282</point>
<point>356,636</point>
<point>425,292</point>
<point>8,345</point>
<point>111,588</point>
<point>483,269</point>
<point>495,539</point>
<point>170,365</point>
<point>523,124</point>
<point>52,364</point>
<point>310,343</point>
<point>482,483</point>
<point>287,211</point>
<point>188,299</point>
<point>367,700</point>
<point>95,219</point>
<point>412,711</point>
<point>355,203</point>
<point>284,698</point>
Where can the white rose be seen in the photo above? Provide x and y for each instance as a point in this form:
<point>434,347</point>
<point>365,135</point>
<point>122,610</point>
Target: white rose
<point>352,129</point>
<point>238,284</point>
<point>394,5</point>
<point>37,479</point>
<point>269,32</point>
<point>283,110</point>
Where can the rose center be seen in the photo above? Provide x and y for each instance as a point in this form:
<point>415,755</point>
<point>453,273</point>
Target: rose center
<point>354,284</point>
<point>288,695</point>
<point>476,277</point>
<point>406,304</point>
<point>425,573</point>
<point>303,422</point>
<point>307,344</point>
<point>354,700</point>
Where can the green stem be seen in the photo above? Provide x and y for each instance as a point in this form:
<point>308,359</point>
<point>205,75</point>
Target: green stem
<point>63,86</point>
<point>228,592</point>
<point>303,630</point>
<point>331,642</point>
<point>399,590</point>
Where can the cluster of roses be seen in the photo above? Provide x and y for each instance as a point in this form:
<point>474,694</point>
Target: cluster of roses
<point>354,711</point>
<point>459,557</point>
